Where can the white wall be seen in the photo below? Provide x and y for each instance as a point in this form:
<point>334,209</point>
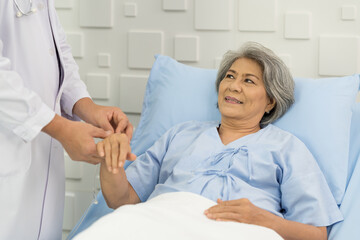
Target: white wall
<point>114,42</point>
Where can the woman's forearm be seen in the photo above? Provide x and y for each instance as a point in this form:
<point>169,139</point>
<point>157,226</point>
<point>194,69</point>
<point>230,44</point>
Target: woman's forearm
<point>291,230</point>
<point>116,189</point>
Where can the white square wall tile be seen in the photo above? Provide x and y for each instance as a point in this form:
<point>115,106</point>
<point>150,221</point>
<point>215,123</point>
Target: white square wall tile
<point>130,9</point>
<point>143,46</point>
<point>217,62</point>
<point>174,5</point>
<point>75,40</point>
<point>132,91</point>
<point>104,60</point>
<point>98,85</point>
<point>69,211</point>
<point>73,169</point>
<point>213,14</point>
<point>63,4</point>
<point>257,15</point>
<point>339,55</point>
<point>186,48</point>
<point>96,13</point>
<point>298,25</point>
<point>348,12</point>
<point>286,58</point>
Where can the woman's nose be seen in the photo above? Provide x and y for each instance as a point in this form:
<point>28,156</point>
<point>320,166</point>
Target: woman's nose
<point>236,85</point>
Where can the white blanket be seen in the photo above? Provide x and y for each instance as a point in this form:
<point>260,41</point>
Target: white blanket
<point>175,216</point>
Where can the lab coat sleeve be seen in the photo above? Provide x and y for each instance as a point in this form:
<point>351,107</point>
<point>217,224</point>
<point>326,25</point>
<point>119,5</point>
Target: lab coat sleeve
<point>74,88</point>
<point>21,110</point>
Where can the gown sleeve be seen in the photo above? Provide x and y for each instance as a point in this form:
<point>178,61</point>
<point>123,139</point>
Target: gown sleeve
<point>143,173</point>
<point>306,196</point>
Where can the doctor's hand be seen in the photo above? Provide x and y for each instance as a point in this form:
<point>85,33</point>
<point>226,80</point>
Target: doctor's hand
<point>239,210</point>
<point>116,149</point>
<point>108,118</point>
<point>77,138</point>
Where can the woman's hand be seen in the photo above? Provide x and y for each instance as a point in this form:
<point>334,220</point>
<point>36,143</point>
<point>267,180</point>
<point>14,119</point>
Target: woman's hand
<point>116,149</point>
<point>243,211</point>
<point>239,210</point>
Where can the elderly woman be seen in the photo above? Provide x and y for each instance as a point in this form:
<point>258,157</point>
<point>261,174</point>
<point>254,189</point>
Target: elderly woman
<point>257,173</point>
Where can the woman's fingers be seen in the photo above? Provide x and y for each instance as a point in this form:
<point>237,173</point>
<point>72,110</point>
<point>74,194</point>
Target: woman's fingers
<point>116,149</point>
<point>114,154</point>
<point>225,216</point>
<point>108,155</point>
<point>100,149</point>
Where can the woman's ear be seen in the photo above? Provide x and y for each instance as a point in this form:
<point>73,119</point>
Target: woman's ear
<point>271,105</point>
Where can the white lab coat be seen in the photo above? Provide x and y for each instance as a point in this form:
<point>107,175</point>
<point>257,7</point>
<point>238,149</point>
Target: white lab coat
<point>35,83</point>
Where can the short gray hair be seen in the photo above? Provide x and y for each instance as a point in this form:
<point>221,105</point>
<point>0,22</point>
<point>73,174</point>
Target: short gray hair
<point>279,84</point>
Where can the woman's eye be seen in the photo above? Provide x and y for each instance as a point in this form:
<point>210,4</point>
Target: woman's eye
<point>249,80</point>
<point>229,76</point>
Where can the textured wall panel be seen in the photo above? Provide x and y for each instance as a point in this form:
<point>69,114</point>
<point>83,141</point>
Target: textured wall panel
<point>174,5</point>
<point>96,13</point>
<point>217,62</point>
<point>298,25</point>
<point>142,47</point>
<point>187,48</point>
<point>132,90</point>
<point>213,14</point>
<point>339,55</point>
<point>286,58</point>
<point>69,213</point>
<point>130,9</point>
<point>257,15</point>
<point>98,85</point>
<point>63,4</point>
<point>75,40</point>
<point>348,12</point>
<point>73,169</point>
<point>104,60</point>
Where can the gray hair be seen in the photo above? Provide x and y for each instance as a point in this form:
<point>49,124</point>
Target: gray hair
<point>279,84</point>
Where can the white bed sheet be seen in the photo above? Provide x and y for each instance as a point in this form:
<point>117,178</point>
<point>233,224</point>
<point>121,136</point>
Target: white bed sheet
<point>171,216</point>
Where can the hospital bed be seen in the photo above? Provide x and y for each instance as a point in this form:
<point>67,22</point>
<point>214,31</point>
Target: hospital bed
<point>325,117</point>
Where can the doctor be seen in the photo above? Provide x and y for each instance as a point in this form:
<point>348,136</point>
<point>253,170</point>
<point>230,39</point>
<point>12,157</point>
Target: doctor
<point>41,95</point>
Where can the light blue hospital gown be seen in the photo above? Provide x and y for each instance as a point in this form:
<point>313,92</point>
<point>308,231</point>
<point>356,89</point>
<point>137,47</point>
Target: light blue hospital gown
<point>272,168</point>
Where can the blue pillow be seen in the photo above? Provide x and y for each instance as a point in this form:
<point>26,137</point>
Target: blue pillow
<point>320,117</point>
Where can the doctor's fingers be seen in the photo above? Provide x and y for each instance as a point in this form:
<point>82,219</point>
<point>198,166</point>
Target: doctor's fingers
<point>98,132</point>
<point>120,121</point>
<point>129,131</point>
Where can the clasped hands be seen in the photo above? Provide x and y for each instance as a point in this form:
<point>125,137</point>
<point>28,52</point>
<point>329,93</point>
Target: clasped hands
<point>77,138</point>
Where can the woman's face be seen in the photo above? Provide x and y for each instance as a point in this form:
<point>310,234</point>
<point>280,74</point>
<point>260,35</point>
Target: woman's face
<point>242,94</point>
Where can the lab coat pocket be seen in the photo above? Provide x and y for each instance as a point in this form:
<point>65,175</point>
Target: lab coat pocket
<point>15,154</point>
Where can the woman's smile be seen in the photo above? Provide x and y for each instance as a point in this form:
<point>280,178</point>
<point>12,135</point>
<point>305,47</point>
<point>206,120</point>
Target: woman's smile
<point>232,100</point>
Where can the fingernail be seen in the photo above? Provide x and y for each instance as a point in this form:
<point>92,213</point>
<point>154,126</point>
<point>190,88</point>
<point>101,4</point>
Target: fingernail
<point>206,212</point>
<point>110,169</point>
<point>120,164</point>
